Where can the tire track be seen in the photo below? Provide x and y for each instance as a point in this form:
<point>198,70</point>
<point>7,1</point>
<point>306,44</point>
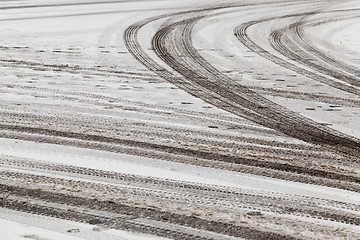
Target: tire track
<point>300,36</point>
<point>132,215</point>
<point>149,149</point>
<point>130,193</point>
<point>121,179</point>
<point>147,129</point>
<point>266,150</point>
<point>248,143</point>
<point>307,96</point>
<point>241,34</point>
<point>281,43</point>
<point>128,105</point>
<point>259,109</point>
<point>82,3</point>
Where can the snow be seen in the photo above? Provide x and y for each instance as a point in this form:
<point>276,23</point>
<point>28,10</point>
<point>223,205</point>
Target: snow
<point>234,59</point>
<point>142,166</point>
<point>19,226</point>
<point>89,38</point>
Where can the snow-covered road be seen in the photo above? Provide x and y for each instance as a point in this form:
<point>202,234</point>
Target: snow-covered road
<point>179,119</point>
